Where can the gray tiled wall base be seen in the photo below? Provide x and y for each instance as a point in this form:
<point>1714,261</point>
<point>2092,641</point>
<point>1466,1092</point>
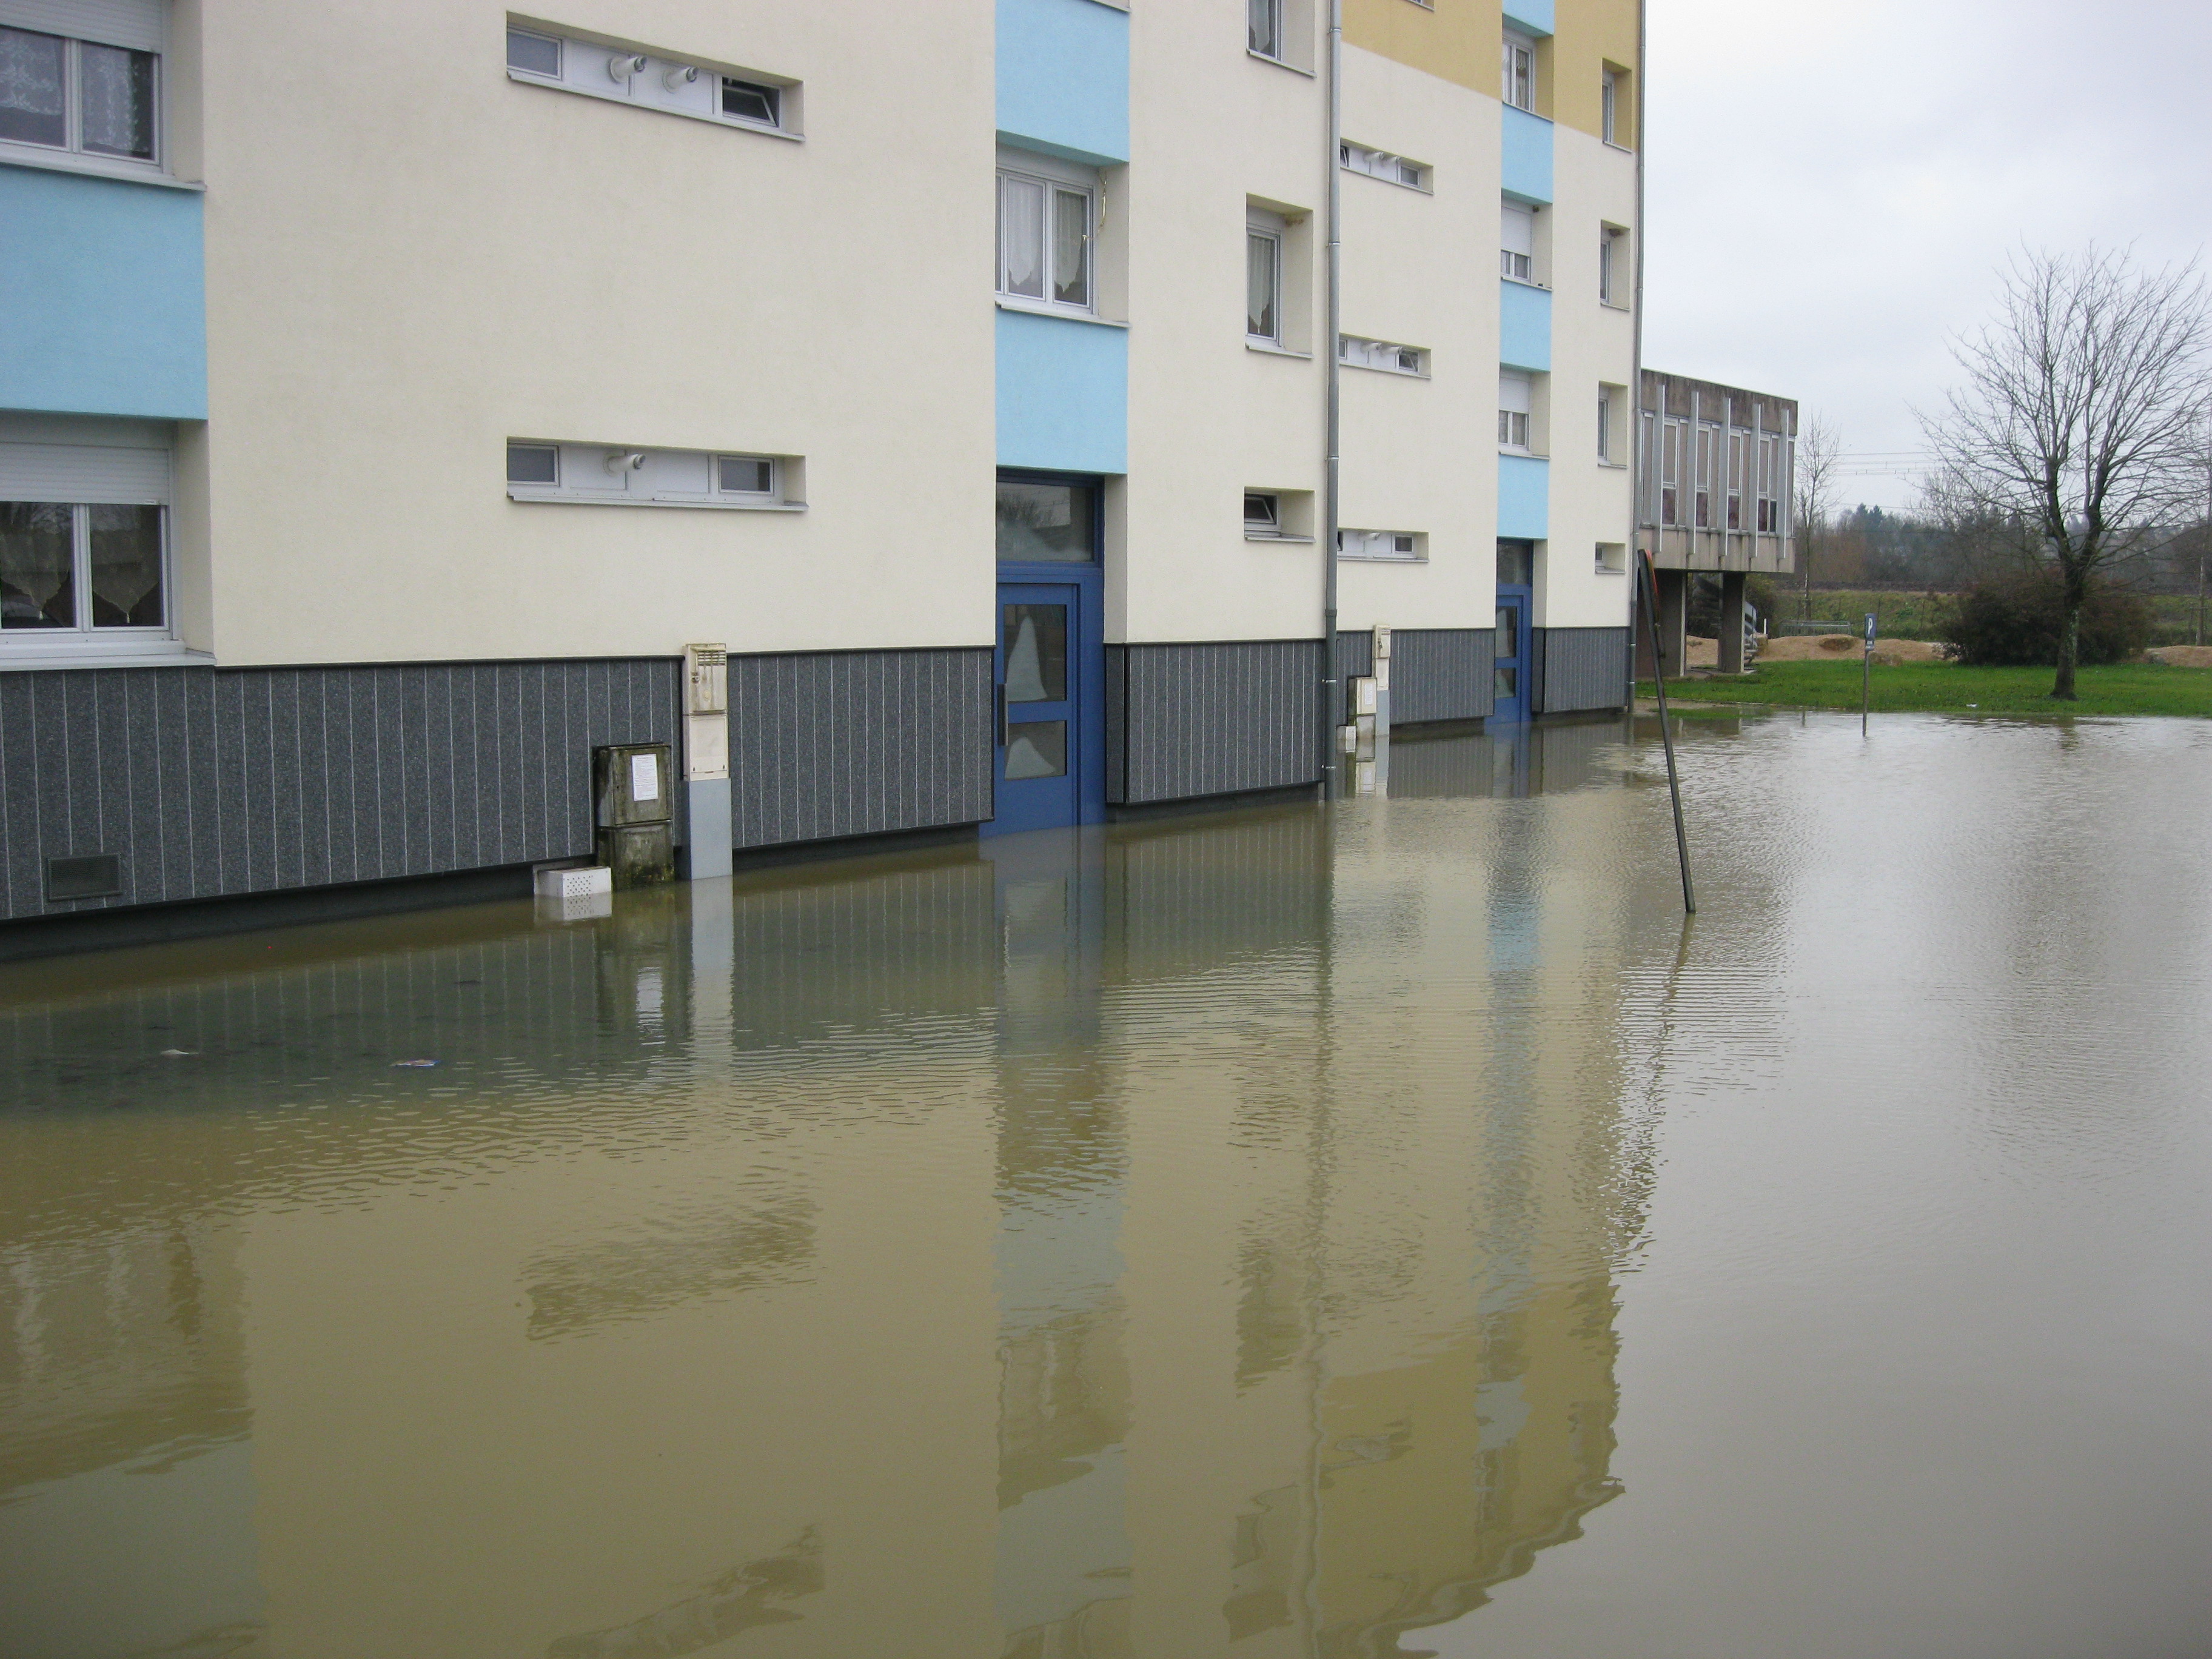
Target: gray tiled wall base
<point>1581,668</point>
<point>1185,720</point>
<point>825,745</point>
<point>1436,673</point>
<point>208,782</point>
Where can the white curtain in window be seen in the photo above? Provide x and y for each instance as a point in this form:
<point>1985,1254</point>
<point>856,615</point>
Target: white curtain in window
<point>1021,238</point>
<point>1262,300</point>
<point>119,100</point>
<point>31,101</point>
<point>1070,247</point>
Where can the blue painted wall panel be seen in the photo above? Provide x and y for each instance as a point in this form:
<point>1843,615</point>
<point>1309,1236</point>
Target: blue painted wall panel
<point>103,296</point>
<point>1527,155</point>
<point>1524,497</point>
<point>1535,17</point>
<point>1063,394</point>
<point>1063,78</point>
<point>1524,326</point>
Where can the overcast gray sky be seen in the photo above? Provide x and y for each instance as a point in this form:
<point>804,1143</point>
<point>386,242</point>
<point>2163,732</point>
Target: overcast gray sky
<point>1831,187</point>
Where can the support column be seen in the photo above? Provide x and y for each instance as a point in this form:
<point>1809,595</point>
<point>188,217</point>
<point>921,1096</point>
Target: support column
<point>1674,624</point>
<point>707,840</point>
<point>1731,641</point>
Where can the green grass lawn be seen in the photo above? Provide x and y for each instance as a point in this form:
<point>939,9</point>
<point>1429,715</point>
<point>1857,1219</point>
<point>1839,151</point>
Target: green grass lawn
<point>2124,689</point>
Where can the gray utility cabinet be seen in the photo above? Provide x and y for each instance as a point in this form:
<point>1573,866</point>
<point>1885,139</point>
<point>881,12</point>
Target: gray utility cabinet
<point>633,795</point>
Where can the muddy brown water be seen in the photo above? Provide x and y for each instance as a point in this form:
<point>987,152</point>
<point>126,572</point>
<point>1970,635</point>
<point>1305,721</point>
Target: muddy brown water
<point>1299,1232</point>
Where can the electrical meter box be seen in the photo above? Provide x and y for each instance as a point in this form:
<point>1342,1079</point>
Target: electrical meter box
<point>633,795</point>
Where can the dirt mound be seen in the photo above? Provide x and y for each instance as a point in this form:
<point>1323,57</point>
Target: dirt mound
<point>1847,647</point>
<point>2181,656</point>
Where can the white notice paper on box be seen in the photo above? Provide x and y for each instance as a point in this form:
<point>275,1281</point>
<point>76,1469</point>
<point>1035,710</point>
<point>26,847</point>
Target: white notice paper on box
<point>644,777</point>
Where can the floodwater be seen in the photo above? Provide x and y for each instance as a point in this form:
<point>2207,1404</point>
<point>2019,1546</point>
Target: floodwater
<point>1300,1232</point>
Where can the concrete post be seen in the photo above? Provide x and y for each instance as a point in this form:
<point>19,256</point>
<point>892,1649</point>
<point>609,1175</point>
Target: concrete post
<point>708,842</point>
<point>1731,641</point>
<point>1674,624</point>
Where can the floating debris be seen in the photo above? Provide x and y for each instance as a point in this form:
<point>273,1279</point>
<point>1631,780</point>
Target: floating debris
<point>179,1053</point>
<point>397,1063</point>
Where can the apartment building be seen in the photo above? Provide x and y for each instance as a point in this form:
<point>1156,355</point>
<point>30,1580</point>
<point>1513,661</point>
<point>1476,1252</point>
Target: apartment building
<point>398,401</point>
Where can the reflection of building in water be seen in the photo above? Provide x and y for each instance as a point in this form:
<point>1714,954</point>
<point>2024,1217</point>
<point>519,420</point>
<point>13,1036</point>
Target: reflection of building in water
<point>1184,1238</point>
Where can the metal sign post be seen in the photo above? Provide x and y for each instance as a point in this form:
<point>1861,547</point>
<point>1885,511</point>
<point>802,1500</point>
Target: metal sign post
<point>1865,675</point>
<point>1651,609</point>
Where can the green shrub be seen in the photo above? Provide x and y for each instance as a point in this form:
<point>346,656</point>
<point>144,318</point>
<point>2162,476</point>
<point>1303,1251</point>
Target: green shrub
<point>2016,618</point>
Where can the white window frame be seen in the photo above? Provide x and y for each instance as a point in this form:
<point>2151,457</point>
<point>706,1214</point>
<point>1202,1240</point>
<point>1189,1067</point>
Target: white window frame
<point>1257,230</point>
<point>1264,18</point>
<point>81,463</point>
<point>1383,546</point>
<point>1517,71</point>
<point>1383,356</point>
<point>1514,265</point>
<point>655,82</point>
<point>1390,168</point>
<point>1605,426</point>
<point>1269,522</point>
<point>70,154</point>
<point>1515,427</point>
<point>1054,183</point>
<point>1609,107</point>
<point>636,477</point>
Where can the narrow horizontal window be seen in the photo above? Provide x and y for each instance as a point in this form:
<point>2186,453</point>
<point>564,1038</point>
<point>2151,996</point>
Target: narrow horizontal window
<point>1380,164</point>
<point>745,474</point>
<point>1385,354</point>
<point>748,100</point>
<point>533,54</point>
<point>1398,546</point>
<point>620,477</point>
<point>1262,512</point>
<point>652,79</point>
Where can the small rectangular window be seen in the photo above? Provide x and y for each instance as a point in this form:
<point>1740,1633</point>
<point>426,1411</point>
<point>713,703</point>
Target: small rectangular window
<point>533,54</point>
<point>1517,241</point>
<point>1609,107</point>
<point>34,108</point>
<point>99,566</point>
<point>78,95</point>
<point>1263,286</point>
<point>745,474</point>
<point>1262,512</point>
<point>748,100</point>
<point>1044,241</point>
<point>1519,71</point>
<point>1604,424</point>
<point>1045,521</point>
<point>1263,27</point>
<point>1516,399</point>
<point>533,464</point>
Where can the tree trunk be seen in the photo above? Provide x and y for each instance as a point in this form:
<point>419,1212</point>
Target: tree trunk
<point>2069,637</point>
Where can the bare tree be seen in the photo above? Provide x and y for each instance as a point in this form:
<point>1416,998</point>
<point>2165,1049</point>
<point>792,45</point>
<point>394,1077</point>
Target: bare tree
<point>2078,415</point>
<point>1818,452</point>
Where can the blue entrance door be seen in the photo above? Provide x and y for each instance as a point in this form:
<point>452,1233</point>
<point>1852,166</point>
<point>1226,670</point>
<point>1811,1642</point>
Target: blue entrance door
<point>1510,696</point>
<point>1049,687</point>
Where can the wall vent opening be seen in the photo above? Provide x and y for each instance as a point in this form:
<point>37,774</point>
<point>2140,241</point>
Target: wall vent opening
<point>94,875</point>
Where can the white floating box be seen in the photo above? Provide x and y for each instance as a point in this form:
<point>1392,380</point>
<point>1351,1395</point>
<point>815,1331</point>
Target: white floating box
<point>587,883</point>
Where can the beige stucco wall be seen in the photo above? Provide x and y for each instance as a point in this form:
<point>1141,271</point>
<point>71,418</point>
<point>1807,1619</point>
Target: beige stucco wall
<point>1594,184</point>
<point>412,259</point>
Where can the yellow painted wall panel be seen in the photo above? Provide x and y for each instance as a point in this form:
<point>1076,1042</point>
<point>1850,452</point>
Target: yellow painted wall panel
<point>1456,40</point>
<point>1593,33</point>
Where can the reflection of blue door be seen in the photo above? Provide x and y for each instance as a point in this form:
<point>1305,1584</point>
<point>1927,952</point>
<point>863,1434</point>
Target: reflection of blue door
<point>1050,689</point>
<point>1510,696</point>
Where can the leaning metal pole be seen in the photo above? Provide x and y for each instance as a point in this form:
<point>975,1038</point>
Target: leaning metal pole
<point>1331,700</point>
<point>1650,608</point>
